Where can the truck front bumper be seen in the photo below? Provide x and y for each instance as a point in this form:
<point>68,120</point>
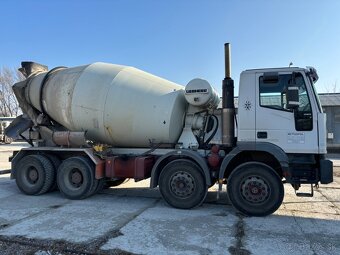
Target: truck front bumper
<point>326,171</point>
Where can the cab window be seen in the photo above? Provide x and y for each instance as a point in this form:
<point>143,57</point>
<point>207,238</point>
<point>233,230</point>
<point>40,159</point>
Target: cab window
<point>273,95</point>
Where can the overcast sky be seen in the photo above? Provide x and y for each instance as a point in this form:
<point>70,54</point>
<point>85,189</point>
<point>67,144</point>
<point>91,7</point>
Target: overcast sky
<point>177,40</point>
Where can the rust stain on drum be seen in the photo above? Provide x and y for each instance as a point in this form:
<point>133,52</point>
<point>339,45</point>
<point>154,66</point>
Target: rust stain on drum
<point>109,131</point>
<point>95,123</point>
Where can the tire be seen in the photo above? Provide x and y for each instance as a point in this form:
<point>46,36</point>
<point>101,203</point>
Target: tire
<point>255,189</point>
<point>182,184</point>
<point>75,178</point>
<point>8,140</point>
<point>96,183</point>
<point>100,186</point>
<point>56,162</point>
<point>34,174</point>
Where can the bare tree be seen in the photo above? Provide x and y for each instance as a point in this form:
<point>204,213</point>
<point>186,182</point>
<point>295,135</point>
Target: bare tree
<point>332,88</point>
<point>8,103</point>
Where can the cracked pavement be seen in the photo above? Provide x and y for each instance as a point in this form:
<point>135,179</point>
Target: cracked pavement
<point>131,219</point>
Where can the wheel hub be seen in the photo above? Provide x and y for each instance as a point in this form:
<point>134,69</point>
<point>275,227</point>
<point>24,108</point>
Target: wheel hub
<point>76,178</point>
<point>182,184</point>
<point>254,189</point>
<point>33,175</point>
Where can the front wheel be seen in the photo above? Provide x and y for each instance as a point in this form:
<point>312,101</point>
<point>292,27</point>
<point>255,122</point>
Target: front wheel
<point>182,184</point>
<point>255,189</point>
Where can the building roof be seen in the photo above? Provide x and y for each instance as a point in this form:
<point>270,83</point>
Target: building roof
<point>330,99</point>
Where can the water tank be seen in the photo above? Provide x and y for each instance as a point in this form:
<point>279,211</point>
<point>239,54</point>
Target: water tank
<point>199,92</point>
<point>117,105</point>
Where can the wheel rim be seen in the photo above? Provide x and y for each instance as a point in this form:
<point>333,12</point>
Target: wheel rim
<point>182,184</point>
<point>32,175</point>
<point>255,189</point>
<point>76,178</point>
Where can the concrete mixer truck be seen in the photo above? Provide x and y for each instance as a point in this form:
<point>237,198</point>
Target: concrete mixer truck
<point>103,123</point>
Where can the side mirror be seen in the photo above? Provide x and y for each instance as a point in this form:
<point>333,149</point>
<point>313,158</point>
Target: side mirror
<point>293,94</point>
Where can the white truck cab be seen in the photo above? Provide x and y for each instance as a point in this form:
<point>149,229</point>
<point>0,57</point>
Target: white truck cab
<point>264,114</point>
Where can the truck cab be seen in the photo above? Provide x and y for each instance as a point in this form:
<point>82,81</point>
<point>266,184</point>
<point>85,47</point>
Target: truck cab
<point>269,114</point>
<point>265,115</point>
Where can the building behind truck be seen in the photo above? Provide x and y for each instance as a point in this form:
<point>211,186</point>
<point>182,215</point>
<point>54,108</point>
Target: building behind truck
<point>4,123</point>
<point>331,106</point>
<point>104,123</point>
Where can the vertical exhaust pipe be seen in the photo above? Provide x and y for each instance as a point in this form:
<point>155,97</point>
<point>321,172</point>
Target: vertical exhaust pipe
<point>228,108</point>
<point>227,61</point>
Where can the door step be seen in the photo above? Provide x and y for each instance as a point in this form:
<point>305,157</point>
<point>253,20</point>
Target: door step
<point>302,194</point>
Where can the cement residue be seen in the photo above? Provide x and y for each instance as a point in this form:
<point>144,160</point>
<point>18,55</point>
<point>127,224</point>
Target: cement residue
<point>239,234</point>
<point>21,245</point>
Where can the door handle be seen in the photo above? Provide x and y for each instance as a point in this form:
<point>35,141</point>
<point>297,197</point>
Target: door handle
<point>262,135</point>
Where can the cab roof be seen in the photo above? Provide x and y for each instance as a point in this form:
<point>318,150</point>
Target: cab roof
<point>276,69</point>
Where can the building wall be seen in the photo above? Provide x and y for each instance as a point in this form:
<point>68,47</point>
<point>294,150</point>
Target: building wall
<point>333,126</point>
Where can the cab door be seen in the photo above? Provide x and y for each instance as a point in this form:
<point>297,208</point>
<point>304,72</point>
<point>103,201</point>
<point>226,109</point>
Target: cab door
<point>293,130</point>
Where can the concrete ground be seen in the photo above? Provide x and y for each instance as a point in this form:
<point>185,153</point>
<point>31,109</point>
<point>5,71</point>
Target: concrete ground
<point>133,219</point>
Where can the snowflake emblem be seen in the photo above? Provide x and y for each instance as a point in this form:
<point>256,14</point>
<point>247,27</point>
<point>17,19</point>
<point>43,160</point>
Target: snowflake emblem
<point>247,105</point>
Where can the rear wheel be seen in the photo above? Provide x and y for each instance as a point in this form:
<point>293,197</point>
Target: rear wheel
<point>182,184</point>
<point>255,189</point>
<point>56,162</point>
<point>34,174</point>
<point>100,186</point>
<point>75,178</point>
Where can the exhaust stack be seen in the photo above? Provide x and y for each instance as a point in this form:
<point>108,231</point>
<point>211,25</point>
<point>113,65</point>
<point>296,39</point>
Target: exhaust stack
<point>228,108</point>
<point>227,61</point>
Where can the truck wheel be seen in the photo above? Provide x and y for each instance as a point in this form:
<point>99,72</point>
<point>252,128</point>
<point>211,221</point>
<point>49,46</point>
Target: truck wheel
<point>8,140</point>
<point>182,184</point>
<point>255,189</point>
<point>75,178</point>
<point>97,184</point>
<point>56,162</point>
<point>101,185</point>
<point>34,174</point>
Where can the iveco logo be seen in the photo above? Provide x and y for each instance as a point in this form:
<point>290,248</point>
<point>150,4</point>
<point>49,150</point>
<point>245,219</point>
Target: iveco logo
<point>247,105</point>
